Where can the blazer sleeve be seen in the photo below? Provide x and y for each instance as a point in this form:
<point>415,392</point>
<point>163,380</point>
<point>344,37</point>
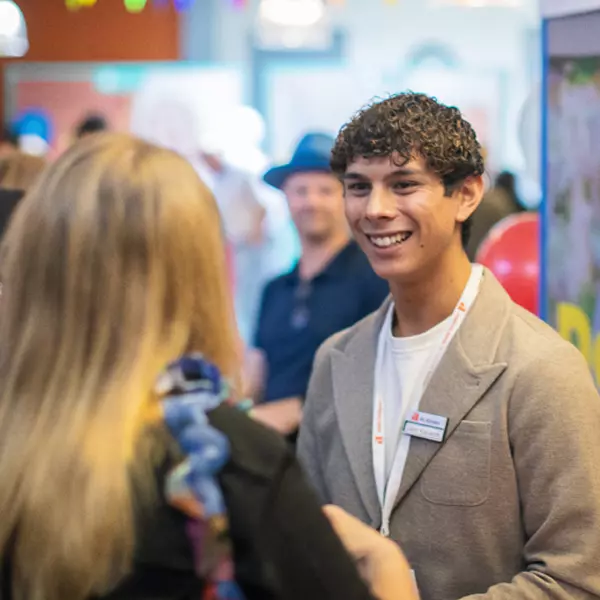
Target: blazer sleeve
<point>554,428</point>
<point>308,445</point>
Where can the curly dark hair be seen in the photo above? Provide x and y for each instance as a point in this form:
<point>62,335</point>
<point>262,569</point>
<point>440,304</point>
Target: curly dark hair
<point>408,125</point>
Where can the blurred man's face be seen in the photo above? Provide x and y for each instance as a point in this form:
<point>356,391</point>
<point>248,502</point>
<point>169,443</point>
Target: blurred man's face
<point>316,202</point>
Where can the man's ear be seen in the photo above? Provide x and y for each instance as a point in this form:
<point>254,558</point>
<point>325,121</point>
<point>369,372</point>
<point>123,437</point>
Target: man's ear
<point>470,195</point>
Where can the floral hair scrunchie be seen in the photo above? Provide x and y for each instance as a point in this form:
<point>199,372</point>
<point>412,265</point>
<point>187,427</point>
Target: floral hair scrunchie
<point>189,389</point>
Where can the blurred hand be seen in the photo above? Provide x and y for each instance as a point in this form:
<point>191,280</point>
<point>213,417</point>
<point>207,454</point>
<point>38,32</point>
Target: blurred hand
<point>379,560</point>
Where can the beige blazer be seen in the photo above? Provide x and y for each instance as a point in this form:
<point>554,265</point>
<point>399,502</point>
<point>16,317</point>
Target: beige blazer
<point>508,506</point>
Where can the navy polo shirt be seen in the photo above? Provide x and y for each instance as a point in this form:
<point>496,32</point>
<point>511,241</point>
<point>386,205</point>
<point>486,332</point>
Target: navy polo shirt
<point>297,316</point>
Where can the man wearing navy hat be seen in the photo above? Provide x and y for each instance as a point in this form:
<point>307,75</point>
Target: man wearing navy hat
<point>331,288</point>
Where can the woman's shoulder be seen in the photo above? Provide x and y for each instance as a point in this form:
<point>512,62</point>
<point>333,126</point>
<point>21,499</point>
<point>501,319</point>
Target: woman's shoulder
<point>252,447</point>
<point>285,547</point>
<point>275,523</point>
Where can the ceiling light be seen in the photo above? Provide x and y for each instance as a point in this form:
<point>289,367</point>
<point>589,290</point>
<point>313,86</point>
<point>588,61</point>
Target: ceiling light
<point>292,13</point>
<point>13,32</point>
<point>479,3</point>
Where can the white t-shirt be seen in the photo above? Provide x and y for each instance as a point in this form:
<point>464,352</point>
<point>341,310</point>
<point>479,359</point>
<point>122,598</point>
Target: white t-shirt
<point>410,356</point>
<point>403,367</point>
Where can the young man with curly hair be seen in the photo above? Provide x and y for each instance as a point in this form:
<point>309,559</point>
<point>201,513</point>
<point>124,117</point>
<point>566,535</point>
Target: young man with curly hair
<point>452,420</point>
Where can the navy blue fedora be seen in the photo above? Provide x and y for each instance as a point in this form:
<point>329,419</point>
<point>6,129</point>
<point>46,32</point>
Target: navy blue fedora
<point>312,154</point>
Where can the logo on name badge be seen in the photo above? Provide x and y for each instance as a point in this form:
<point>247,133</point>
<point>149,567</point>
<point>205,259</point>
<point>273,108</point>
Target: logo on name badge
<point>426,426</point>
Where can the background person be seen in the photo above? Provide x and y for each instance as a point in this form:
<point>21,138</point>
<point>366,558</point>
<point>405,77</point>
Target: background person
<point>498,203</point>
<point>245,222</point>
<point>90,125</point>
<point>19,171</point>
<point>331,287</point>
<point>9,141</point>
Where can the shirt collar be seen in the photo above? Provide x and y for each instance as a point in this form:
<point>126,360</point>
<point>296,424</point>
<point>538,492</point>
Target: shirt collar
<point>337,266</point>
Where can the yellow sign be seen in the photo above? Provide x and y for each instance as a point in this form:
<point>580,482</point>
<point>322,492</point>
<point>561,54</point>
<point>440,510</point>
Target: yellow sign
<point>574,325</point>
<point>75,4</point>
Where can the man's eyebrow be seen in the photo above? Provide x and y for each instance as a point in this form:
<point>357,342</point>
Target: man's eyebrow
<point>350,175</point>
<point>402,172</point>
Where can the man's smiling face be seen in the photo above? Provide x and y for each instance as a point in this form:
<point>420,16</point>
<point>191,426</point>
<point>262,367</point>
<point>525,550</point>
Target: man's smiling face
<point>401,215</point>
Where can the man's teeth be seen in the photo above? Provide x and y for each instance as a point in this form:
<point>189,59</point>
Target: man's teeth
<point>390,240</point>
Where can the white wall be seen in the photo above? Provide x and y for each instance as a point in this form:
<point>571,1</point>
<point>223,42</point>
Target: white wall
<point>479,34</point>
<point>380,35</point>
<point>559,8</point>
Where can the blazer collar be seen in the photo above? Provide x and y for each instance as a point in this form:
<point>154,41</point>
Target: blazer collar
<point>465,373</point>
<point>353,372</point>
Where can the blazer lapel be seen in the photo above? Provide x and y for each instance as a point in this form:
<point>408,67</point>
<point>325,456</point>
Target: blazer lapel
<point>464,375</point>
<point>353,377</point>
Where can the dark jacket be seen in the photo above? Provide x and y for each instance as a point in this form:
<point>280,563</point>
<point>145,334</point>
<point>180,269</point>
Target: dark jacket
<point>8,202</point>
<point>496,205</point>
<point>284,547</point>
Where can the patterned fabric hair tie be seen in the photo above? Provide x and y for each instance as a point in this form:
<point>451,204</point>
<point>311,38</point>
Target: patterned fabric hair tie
<point>190,388</point>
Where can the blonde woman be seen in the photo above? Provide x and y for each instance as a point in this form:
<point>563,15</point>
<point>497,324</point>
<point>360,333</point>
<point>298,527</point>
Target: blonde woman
<point>18,170</point>
<point>124,473</point>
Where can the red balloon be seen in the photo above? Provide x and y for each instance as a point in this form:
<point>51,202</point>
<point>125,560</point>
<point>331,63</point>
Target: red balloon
<point>511,252</point>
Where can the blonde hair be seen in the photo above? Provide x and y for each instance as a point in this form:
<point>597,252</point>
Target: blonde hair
<point>113,265</point>
<point>19,171</point>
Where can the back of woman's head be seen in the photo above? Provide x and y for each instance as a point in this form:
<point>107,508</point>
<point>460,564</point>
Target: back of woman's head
<point>112,266</point>
<point>19,171</point>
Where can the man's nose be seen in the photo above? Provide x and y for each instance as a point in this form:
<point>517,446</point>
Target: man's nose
<point>313,199</point>
<point>381,204</point>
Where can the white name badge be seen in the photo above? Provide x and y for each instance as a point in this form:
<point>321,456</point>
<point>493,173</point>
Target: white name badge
<point>426,426</point>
